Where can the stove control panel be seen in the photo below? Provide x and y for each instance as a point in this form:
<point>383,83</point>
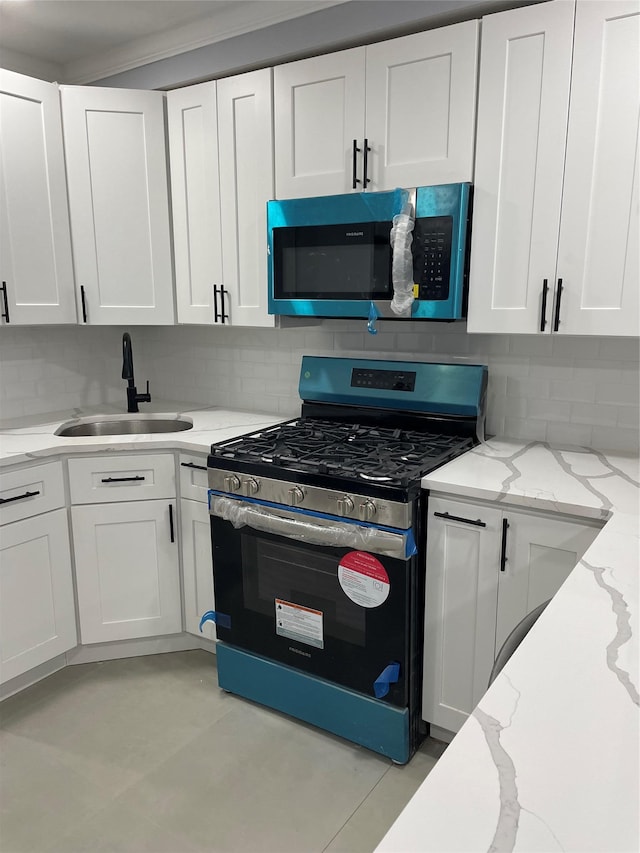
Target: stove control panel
<point>314,498</point>
<point>387,380</point>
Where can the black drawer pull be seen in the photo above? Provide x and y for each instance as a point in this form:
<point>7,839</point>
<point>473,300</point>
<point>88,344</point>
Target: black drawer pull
<point>18,497</point>
<point>172,536</point>
<point>556,322</point>
<point>543,311</point>
<point>476,523</point>
<point>83,300</point>
<point>122,479</point>
<point>5,300</point>
<point>355,181</point>
<point>503,552</point>
<point>193,465</point>
<point>365,160</point>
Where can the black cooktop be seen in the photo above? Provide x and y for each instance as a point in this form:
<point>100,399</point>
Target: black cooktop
<point>364,453</point>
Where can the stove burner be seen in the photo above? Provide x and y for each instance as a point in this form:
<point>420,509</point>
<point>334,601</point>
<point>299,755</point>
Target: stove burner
<point>375,454</point>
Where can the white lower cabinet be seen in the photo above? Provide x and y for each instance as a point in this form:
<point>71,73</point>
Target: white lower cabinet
<point>487,567</point>
<point>37,613</point>
<point>126,570</point>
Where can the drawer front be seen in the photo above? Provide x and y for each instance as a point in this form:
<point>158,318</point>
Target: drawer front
<point>193,477</point>
<point>106,479</point>
<point>29,491</point>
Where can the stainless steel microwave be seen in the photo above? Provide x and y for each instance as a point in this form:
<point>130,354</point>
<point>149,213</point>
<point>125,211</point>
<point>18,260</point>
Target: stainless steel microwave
<point>332,256</point>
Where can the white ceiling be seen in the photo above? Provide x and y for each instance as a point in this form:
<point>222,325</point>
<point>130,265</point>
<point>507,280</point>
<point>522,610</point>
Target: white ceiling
<point>80,40</point>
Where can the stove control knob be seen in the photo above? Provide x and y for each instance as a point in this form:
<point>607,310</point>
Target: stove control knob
<point>345,505</point>
<point>366,511</point>
<point>296,496</point>
<point>231,483</point>
<point>250,487</point>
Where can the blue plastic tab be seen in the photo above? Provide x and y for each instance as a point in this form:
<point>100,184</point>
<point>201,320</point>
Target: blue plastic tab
<point>221,619</point>
<point>389,675</point>
<point>373,316</point>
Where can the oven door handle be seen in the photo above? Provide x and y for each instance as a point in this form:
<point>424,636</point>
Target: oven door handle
<point>319,531</point>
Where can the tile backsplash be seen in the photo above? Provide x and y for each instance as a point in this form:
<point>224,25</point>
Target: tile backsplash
<point>563,390</point>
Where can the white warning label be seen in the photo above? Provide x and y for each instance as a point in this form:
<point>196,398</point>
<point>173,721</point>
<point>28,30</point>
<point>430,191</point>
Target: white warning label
<point>299,623</point>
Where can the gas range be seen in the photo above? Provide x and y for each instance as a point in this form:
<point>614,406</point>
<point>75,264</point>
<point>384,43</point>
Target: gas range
<point>369,431</point>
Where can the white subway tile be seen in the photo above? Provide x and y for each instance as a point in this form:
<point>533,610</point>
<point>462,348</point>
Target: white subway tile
<point>551,368</point>
<point>569,434</point>
<point>574,348</point>
<point>529,430</point>
<point>594,414</point>
<point>619,349</point>
<point>618,393</point>
<point>616,439</point>
<point>549,410</point>
<point>562,389</point>
<point>531,345</point>
<point>629,416</point>
<point>525,386</point>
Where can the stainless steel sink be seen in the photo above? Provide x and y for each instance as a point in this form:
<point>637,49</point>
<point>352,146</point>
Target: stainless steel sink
<point>134,424</point>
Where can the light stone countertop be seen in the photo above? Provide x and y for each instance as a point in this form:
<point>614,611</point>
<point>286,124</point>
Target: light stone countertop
<point>550,758</point>
<point>36,440</point>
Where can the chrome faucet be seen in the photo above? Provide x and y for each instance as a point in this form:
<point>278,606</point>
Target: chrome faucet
<point>133,398</point>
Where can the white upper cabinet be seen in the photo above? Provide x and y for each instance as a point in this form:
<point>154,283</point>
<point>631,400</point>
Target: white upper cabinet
<point>421,108</point>
<point>221,148</point>
<point>195,198</point>
<point>35,244</point>
<point>118,200</point>
<point>319,121</point>
<point>397,113</point>
<point>555,223</point>
<point>598,254</point>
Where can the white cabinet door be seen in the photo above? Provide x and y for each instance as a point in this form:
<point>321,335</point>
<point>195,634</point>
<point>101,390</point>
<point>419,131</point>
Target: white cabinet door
<point>118,199</point>
<point>598,250</point>
<point>126,570</point>
<point>35,242</point>
<point>523,102</point>
<point>37,612</point>
<point>541,554</point>
<point>197,567</point>
<point>245,131</point>
<point>460,609</point>
<point>319,117</point>
<point>421,107</point>
<point>195,199</point>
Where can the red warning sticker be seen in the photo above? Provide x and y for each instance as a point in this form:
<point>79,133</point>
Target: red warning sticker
<point>363,579</point>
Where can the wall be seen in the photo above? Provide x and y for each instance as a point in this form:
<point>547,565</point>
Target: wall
<point>563,390</point>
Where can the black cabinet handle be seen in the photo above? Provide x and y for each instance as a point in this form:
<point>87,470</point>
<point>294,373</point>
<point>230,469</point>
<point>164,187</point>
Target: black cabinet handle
<point>216,314</point>
<point>503,552</point>
<point>476,523</point>
<point>193,465</point>
<point>171,530</point>
<point>543,311</point>
<point>365,160</point>
<point>223,315</point>
<point>355,180</point>
<point>122,479</point>
<point>83,299</point>
<point>556,321</point>
<point>18,497</point>
<point>5,313</point>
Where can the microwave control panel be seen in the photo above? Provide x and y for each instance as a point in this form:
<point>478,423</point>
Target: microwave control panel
<point>432,256</point>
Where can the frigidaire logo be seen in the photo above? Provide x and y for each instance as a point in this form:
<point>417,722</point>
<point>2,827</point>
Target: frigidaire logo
<point>299,652</point>
<point>354,234</point>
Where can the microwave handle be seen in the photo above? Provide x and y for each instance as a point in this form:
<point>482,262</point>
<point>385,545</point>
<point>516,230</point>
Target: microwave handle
<point>355,181</point>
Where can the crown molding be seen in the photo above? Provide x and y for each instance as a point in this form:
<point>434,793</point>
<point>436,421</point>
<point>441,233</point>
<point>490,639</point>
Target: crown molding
<point>226,24</point>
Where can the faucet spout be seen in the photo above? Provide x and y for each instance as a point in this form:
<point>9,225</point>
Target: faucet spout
<point>133,398</point>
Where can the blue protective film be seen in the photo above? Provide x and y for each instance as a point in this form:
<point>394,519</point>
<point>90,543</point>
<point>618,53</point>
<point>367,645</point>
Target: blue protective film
<point>389,675</point>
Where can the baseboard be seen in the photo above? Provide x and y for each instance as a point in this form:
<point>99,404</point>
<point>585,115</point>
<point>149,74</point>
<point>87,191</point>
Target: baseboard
<point>21,682</point>
<point>441,734</point>
<point>134,648</point>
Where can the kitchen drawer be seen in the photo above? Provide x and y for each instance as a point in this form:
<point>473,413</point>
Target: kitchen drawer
<point>29,491</point>
<point>193,477</point>
<point>104,479</point>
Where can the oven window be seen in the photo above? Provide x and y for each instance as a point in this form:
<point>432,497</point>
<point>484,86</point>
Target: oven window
<point>273,570</point>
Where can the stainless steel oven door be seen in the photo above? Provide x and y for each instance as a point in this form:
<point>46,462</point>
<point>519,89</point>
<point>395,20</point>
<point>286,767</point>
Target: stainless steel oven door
<point>332,598</point>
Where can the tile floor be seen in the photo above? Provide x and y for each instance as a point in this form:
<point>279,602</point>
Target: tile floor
<point>148,754</point>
